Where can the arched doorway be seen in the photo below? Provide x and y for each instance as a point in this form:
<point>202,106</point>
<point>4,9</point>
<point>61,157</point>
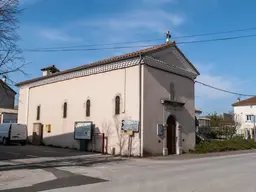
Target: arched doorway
<point>171,134</point>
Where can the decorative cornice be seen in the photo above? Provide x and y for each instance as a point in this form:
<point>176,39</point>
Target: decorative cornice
<point>86,72</point>
<point>168,67</point>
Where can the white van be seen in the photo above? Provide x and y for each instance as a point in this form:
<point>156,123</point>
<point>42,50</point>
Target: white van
<point>13,133</point>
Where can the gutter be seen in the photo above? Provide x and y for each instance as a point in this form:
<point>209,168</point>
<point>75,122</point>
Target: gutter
<point>27,107</point>
<point>140,93</point>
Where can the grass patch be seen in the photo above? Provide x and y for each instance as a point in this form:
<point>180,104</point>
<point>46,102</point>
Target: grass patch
<point>226,145</point>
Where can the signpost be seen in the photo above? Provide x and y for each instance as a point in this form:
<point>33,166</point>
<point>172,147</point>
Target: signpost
<point>129,127</point>
<point>83,130</point>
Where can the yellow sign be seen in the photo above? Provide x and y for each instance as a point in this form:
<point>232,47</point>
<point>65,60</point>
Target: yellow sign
<point>128,133</point>
<point>48,128</point>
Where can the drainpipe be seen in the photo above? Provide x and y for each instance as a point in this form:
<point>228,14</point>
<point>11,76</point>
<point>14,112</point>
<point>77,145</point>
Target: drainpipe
<point>140,93</point>
<point>27,107</point>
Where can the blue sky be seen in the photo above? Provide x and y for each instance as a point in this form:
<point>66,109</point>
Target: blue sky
<point>227,64</point>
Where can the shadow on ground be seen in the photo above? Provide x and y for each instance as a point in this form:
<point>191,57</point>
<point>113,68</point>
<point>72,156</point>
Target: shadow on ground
<point>67,162</point>
<point>12,152</point>
<point>71,181</point>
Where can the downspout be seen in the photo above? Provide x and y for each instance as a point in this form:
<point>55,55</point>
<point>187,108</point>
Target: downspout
<point>140,93</point>
<point>124,103</point>
<point>27,107</point>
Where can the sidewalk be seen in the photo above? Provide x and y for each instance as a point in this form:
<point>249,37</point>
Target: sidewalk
<point>198,156</point>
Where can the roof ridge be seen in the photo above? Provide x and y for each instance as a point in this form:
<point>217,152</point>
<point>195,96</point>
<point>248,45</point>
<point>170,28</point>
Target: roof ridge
<point>104,61</point>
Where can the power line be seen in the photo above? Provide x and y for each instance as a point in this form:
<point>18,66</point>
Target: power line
<point>223,90</point>
<point>101,44</point>
<point>88,49</point>
<point>218,39</point>
<point>148,40</point>
<point>217,33</point>
<point>134,46</point>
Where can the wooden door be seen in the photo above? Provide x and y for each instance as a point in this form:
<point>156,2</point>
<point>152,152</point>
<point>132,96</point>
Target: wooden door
<point>171,135</point>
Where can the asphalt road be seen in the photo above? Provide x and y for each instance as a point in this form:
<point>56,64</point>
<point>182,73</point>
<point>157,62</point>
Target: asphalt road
<point>223,174</point>
<point>33,169</point>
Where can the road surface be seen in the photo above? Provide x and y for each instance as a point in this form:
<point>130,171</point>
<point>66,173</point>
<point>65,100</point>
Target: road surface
<point>234,173</point>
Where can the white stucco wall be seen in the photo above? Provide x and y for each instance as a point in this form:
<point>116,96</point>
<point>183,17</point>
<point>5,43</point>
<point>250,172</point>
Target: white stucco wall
<point>240,113</point>
<point>101,89</point>
<point>23,104</point>
<point>157,87</point>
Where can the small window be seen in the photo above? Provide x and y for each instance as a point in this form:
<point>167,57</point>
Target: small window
<point>88,108</point>
<point>38,110</point>
<point>249,118</point>
<point>117,105</point>
<point>65,108</point>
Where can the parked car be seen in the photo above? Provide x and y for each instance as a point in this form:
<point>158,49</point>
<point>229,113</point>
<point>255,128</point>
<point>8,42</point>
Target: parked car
<point>13,133</point>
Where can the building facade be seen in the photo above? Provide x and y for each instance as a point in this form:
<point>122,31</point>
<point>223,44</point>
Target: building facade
<point>151,86</point>
<point>244,116</point>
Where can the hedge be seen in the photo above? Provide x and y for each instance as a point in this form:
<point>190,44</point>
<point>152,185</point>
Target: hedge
<point>225,145</point>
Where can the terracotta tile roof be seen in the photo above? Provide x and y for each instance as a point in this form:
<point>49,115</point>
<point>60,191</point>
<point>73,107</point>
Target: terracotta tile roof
<point>109,60</point>
<point>198,111</point>
<point>250,101</point>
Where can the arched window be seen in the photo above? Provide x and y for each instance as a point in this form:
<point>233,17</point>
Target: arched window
<point>117,105</point>
<point>38,110</point>
<point>88,108</point>
<point>65,108</point>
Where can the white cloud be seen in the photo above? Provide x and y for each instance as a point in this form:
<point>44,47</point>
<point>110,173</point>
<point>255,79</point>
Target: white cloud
<point>151,20</point>
<point>216,81</point>
<point>57,35</point>
<point>226,82</point>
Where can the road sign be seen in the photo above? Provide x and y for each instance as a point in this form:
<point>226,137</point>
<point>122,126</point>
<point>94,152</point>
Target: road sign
<point>130,125</point>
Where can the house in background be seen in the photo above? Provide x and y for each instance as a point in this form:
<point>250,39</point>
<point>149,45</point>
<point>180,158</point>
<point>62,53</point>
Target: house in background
<point>244,115</point>
<point>151,86</point>
<point>7,98</point>
<point>198,112</point>
<point>204,121</point>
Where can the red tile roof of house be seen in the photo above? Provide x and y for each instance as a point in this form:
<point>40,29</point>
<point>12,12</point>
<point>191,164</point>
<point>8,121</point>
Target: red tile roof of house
<point>250,101</point>
<point>112,59</point>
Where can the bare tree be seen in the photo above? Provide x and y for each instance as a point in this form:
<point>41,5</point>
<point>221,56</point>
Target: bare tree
<point>107,130</point>
<point>122,138</point>
<point>232,130</point>
<point>11,59</point>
